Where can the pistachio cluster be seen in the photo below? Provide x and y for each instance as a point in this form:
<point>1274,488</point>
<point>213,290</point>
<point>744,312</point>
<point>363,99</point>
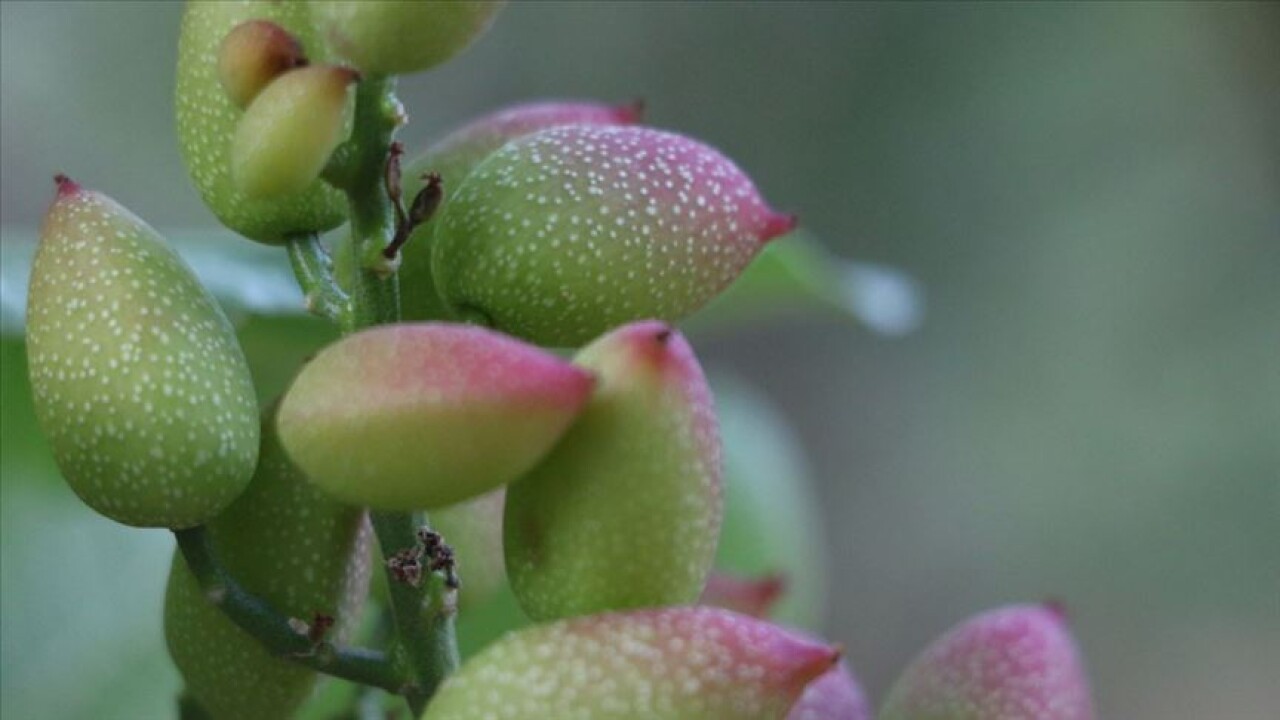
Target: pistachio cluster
<point>581,488</point>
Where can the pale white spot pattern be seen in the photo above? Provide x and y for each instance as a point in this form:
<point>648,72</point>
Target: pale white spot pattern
<point>626,510</point>
<point>685,663</point>
<point>455,155</point>
<point>566,233</point>
<point>293,546</point>
<point>207,120</point>
<point>1013,663</point>
<point>138,380</point>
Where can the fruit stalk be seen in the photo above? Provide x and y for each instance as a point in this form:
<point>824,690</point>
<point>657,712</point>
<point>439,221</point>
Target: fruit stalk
<point>422,612</point>
<point>276,632</point>
<point>423,620</point>
<point>313,269</point>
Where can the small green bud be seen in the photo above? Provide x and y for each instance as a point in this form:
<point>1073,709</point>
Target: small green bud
<point>207,121</point>
<point>293,546</point>
<point>1012,663</point>
<point>290,129</point>
<point>558,236</point>
<point>625,511</point>
<point>452,160</point>
<point>686,663</point>
<point>396,37</point>
<point>406,417</point>
<point>138,380</point>
<point>252,55</point>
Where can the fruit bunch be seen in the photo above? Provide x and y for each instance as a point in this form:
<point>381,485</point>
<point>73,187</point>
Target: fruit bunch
<point>511,411</point>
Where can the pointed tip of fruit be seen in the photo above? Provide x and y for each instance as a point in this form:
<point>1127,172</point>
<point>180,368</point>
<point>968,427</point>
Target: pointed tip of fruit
<point>778,224</point>
<point>812,660</point>
<point>1056,608</point>
<point>65,185</point>
<point>631,113</point>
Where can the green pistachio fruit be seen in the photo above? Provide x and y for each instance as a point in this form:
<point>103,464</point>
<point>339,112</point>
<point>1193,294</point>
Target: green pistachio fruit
<point>139,383</point>
<point>625,511</point>
<point>207,120</point>
<point>290,544</point>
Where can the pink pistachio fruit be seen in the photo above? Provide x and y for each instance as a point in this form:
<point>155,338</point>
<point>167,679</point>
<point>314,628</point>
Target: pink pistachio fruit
<point>1013,663</point>
<point>687,663</point>
<point>452,159</point>
<point>561,235</point>
<point>625,511</point>
<point>415,416</point>
<point>835,695</point>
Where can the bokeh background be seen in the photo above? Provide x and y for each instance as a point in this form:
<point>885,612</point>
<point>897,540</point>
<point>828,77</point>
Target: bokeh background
<point>1088,194</point>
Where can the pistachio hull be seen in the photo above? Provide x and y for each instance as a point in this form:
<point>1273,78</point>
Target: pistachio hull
<point>625,511</point>
<point>139,383</point>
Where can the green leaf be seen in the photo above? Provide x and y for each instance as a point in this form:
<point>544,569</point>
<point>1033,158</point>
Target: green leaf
<point>796,273</point>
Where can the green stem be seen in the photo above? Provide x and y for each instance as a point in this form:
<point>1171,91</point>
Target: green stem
<point>423,612</point>
<point>422,615</point>
<point>313,268</point>
<point>256,617</point>
<point>375,292</point>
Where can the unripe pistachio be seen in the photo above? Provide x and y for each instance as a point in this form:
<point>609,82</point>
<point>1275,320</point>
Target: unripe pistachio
<point>687,663</point>
<point>453,158</point>
<point>396,37</point>
<point>290,129</point>
<point>207,120</point>
<point>139,383</point>
<point>252,55</point>
<point>835,695</point>
<point>1013,663</point>
<point>421,416</point>
<point>290,544</point>
<point>625,511</point>
<point>561,235</point>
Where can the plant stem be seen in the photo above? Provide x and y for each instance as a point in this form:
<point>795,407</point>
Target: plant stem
<point>423,612</point>
<point>256,617</point>
<point>375,294</point>
<point>313,268</point>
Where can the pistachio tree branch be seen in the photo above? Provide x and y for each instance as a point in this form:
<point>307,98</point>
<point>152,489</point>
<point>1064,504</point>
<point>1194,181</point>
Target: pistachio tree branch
<point>280,635</point>
<point>313,268</point>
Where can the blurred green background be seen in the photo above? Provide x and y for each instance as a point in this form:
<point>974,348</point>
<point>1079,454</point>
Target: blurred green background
<point>1089,194</point>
